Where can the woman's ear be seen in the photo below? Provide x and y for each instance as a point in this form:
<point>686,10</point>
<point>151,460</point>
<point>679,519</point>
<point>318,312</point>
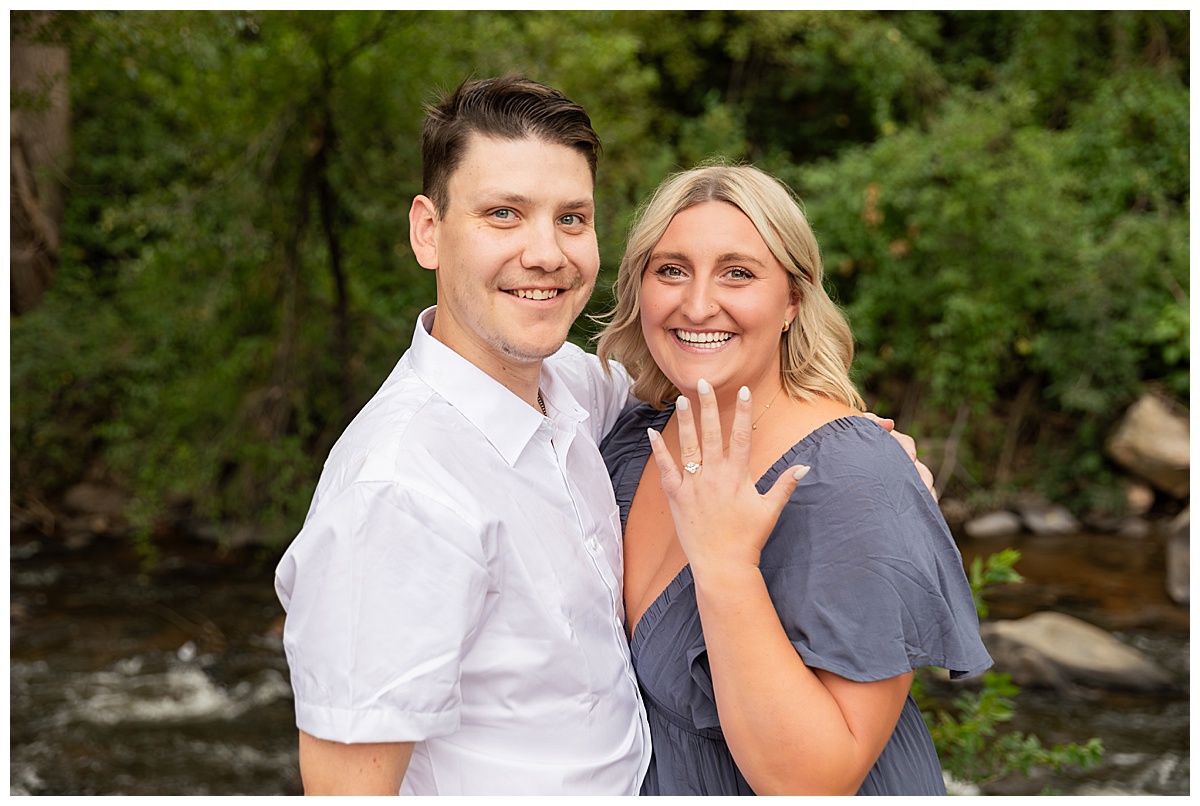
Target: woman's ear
<point>793,307</point>
<point>422,231</point>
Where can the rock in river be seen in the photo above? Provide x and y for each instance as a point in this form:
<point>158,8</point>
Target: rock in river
<point>1059,651</point>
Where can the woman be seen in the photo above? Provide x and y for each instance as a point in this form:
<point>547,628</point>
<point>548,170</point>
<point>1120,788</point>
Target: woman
<point>775,651</point>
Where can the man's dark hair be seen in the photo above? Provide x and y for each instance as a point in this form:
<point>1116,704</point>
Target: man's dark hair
<point>511,107</point>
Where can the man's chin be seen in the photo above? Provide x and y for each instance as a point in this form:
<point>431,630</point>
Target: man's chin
<point>528,353</point>
<point>538,340</point>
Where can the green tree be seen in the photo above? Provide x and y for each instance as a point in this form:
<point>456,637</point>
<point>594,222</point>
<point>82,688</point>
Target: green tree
<point>237,277</point>
<point>1002,197</point>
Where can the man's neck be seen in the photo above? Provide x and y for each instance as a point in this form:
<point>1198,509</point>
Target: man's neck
<point>519,377</point>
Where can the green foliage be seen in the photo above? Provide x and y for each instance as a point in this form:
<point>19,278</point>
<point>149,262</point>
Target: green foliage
<point>970,749</point>
<point>236,277</point>
<point>1000,569</point>
<point>987,248</point>
<point>999,195</point>
<point>971,216</point>
<point>966,734</point>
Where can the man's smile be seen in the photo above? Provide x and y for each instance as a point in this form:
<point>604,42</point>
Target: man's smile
<point>534,293</point>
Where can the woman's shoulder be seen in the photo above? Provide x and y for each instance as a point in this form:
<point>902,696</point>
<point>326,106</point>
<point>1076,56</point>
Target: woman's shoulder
<point>863,492</point>
<point>848,444</point>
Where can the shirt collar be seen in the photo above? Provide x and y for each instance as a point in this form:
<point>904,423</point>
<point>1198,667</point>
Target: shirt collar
<point>506,421</point>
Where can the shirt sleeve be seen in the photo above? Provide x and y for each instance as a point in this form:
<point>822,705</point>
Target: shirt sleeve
<point>383,588</point>
<point>864,573</point>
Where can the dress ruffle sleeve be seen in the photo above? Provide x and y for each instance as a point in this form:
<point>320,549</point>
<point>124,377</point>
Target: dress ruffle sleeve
<point>864,573</point>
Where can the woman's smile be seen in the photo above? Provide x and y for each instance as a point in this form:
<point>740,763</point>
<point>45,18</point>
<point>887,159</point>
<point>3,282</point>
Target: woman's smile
<point>703,341</point>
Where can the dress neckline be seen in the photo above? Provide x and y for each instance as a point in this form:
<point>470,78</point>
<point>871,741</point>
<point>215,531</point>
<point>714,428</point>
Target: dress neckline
<point>642,454</point>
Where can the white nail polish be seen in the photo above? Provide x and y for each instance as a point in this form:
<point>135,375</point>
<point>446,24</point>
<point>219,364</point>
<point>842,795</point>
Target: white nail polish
<point>682,403</point>
<point>743,394</point>
<point>650,432</point>
<point>801,472</point>
<point>702,387</point>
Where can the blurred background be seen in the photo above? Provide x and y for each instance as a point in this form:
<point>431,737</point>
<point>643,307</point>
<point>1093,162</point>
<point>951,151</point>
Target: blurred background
<point>210,274</point>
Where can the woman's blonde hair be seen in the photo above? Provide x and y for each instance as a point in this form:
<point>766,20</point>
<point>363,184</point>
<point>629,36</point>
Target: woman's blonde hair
<point>818,347</point>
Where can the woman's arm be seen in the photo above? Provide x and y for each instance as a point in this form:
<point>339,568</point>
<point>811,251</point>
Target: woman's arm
<point>791,729</point>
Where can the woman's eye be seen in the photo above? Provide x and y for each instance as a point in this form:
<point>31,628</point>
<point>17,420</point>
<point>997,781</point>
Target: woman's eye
<point>740,274</point>
<point>669,271</point>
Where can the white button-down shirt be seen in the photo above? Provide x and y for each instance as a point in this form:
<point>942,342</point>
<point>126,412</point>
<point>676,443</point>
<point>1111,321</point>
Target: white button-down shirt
<point>457,583</point>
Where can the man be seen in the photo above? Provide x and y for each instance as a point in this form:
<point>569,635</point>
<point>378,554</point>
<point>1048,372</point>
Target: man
<point>455,621</point>
<point>454,609</point>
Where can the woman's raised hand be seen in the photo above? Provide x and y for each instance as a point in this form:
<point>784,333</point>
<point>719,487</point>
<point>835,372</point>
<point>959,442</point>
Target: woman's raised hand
<point>719,515</point>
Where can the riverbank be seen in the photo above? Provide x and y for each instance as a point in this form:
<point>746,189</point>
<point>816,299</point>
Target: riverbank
<point>172,681</point>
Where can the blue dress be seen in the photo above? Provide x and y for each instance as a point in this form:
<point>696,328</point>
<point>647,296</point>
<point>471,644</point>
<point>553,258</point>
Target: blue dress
<point>868,584</point>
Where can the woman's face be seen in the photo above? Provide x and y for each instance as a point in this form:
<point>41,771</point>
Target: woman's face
<point>714,301</point>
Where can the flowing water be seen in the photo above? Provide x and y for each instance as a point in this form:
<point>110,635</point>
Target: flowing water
<point>174,683</point>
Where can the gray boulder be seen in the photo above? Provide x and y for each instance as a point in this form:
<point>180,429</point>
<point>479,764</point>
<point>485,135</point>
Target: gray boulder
<point>994,524</point>
<point>1152,442</point>
<point>1041,518</point>
<point>94,499</point>
<point>1054,650</point>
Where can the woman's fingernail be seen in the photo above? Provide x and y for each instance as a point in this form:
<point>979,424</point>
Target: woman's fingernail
<point>682,403</point>
<point>652,434</point>
<point>744,393</point>
<point>702,387</point>
<point>801,472</point>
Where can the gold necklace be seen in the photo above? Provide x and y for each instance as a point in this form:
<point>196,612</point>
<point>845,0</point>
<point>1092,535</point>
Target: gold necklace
<point>754,425</point>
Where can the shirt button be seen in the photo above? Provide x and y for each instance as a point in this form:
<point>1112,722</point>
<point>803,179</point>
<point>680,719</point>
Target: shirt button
<point>593,544</point>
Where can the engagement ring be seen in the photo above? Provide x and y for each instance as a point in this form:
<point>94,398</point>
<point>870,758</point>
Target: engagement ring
<point>692,467</point>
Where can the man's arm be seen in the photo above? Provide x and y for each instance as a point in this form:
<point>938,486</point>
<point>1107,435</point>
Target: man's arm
<point>333,768</point>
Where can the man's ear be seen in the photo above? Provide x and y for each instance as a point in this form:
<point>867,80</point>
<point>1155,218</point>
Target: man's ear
<point>422,231</point>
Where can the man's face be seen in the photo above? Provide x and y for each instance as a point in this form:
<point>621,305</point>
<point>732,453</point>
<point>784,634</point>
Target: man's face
<point>515,251</point>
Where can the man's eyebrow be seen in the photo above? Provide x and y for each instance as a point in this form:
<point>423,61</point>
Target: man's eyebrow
<point>500,197</point>
<point>521,200</point>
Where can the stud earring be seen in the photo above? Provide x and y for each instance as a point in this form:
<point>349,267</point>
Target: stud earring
<point>786,326</point>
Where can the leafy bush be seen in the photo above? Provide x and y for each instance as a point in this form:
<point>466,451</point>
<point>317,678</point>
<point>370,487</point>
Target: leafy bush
<point>998,217</point>
<point>985,252</point>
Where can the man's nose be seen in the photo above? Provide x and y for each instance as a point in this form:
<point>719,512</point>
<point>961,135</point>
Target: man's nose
<point>542,247</point>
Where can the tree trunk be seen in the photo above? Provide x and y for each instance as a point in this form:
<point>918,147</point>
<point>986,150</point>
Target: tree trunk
<point>39,150</point>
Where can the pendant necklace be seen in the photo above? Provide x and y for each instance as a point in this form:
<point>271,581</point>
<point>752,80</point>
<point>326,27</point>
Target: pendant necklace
<point>754,425</point>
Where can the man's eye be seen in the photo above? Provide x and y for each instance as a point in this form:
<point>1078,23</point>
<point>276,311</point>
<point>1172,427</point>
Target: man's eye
<point>572,219</point>
<point>503,214</point>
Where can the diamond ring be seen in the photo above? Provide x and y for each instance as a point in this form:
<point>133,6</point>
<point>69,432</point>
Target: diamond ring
<point>692,467</point>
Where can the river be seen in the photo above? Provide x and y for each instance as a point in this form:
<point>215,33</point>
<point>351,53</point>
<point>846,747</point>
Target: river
<point>173,682</point>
